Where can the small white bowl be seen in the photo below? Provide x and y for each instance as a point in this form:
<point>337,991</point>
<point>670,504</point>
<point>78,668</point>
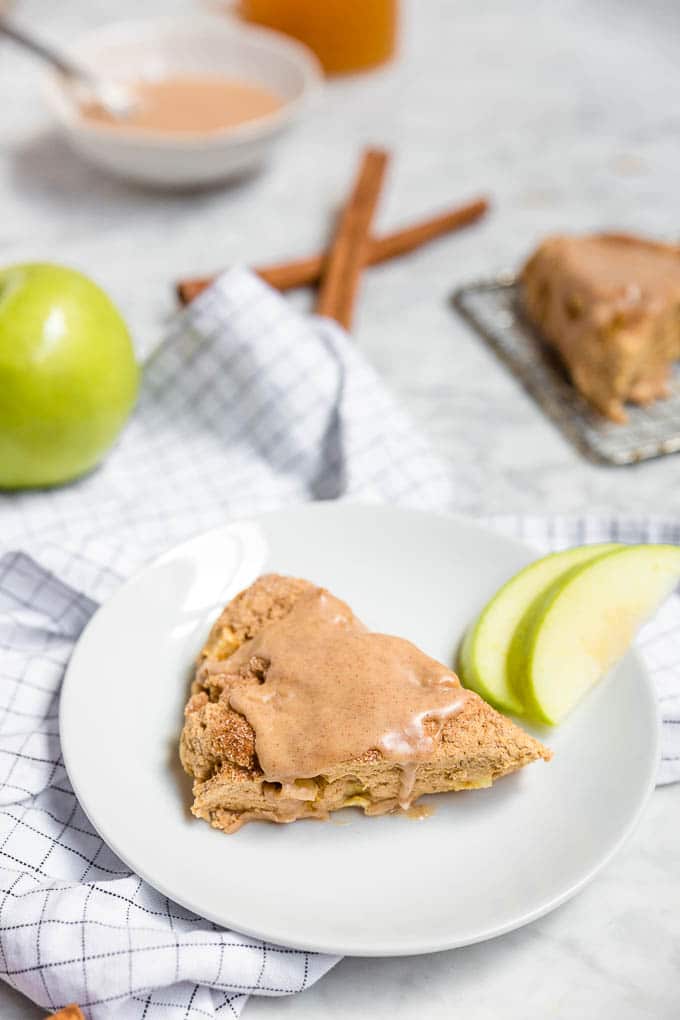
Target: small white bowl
<point>207,44</point>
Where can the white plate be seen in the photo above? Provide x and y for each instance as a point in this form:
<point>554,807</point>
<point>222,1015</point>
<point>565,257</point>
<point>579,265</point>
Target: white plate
<point>486,862</point>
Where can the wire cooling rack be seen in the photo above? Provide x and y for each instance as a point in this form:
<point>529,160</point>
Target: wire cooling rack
<point>492,307</point>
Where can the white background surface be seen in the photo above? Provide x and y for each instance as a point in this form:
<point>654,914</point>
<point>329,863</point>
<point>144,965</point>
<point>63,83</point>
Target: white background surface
<point>568,114</point>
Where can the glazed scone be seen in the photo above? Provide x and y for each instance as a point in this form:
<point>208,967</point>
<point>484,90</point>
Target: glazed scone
<point>610,305</point>
<point>263,663</point>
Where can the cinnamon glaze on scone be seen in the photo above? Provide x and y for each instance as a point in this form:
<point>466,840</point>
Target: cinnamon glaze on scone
<point>610,304</point>
<point>298,710</point>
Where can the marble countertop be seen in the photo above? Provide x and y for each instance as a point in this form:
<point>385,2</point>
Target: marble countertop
<point>566,114</point>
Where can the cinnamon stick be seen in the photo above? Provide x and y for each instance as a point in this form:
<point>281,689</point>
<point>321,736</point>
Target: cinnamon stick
<point>68,1013</point>
<point>409,238</point>
<point>347,253</point>
<point>300,272</point>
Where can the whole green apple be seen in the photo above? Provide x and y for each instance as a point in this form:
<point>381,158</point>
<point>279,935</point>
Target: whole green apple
<point>68,375</point>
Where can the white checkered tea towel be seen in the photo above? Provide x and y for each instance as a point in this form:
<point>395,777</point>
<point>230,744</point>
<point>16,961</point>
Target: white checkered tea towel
<point>246,406</point>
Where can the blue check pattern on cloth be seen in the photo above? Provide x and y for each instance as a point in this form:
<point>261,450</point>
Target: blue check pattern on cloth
<point>247,406</point>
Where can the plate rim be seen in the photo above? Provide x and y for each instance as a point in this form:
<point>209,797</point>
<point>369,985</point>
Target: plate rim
<point>385,949</point>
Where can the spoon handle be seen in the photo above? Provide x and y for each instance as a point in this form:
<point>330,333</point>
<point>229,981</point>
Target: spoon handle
<point>29,42</point>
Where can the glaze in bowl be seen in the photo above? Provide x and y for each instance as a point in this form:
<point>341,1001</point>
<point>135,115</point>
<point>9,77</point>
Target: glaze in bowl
<point>204,44</point>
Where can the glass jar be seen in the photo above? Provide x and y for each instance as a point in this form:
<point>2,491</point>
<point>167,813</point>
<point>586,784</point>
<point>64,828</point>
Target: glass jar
<point>346,35</point>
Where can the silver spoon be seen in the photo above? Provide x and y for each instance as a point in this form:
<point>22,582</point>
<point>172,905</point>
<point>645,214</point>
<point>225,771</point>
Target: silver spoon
<point>114,98</point>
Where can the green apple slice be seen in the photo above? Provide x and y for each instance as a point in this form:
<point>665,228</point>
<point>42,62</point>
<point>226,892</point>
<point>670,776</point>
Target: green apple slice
<point>576,630</point>
<point>482,660</point>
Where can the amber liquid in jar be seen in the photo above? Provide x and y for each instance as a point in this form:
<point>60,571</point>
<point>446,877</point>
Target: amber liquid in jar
<point>346,35</point>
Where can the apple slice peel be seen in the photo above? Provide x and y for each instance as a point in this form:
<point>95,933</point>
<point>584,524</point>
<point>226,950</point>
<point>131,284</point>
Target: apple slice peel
<point>483,657</point>
<point>583,623</point>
